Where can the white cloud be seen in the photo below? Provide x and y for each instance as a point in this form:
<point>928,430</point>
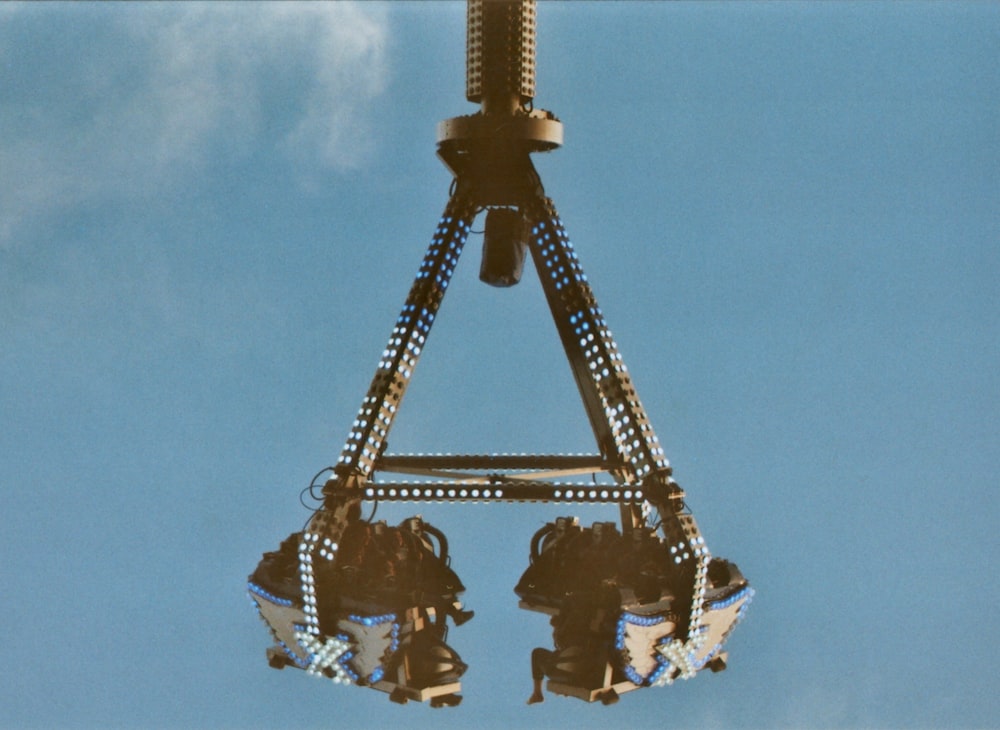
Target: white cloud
<point>137,98</point>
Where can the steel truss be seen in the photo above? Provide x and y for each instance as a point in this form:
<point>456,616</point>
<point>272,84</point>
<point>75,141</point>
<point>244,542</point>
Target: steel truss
<point>630,453</point>
<point>334,596</point>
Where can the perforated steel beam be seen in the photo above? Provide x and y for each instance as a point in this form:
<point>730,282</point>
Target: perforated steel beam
<point>367,438</point>
<point>619,421</point>
<point>499,489</point>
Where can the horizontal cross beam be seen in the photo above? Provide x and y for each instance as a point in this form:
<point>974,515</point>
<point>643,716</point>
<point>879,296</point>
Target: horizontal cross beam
<point>500,489</point>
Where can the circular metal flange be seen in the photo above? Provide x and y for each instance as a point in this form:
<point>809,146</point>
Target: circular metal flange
<point>539,129</point>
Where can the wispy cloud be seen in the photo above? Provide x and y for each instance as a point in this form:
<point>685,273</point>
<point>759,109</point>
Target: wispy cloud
<point>124,101</point>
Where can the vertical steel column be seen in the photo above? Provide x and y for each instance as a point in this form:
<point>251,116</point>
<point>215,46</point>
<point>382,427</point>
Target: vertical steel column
<point>371,427</point>
<point>500,54</point>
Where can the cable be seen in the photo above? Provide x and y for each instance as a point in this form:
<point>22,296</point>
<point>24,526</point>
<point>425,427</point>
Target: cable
<point>311,489</point>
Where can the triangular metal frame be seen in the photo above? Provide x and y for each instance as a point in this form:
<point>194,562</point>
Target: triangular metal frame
<point>629,450</point>
<point>683,628</point>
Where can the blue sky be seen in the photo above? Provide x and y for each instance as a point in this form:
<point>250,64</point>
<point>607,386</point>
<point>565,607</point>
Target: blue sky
<point>211,214</point>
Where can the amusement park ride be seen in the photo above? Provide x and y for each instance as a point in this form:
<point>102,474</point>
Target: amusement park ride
<point>635,603</point>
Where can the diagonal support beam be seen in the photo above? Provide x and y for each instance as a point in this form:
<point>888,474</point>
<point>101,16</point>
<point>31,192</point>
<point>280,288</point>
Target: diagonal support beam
<point>620,424</point>
<point>367,438</point>
<point>622,429</point>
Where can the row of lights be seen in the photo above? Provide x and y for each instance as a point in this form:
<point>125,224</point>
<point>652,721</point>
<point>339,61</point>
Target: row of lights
<point>416,492</point>
<point>745,592</point>
<point>700,588</point>
<point>587,321</point>
<point>386,618</point>
<point>584,494</point>
<point>594,496</point>
<point>308,581</point>
<point>405,343</point>
<point>267,595</point>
